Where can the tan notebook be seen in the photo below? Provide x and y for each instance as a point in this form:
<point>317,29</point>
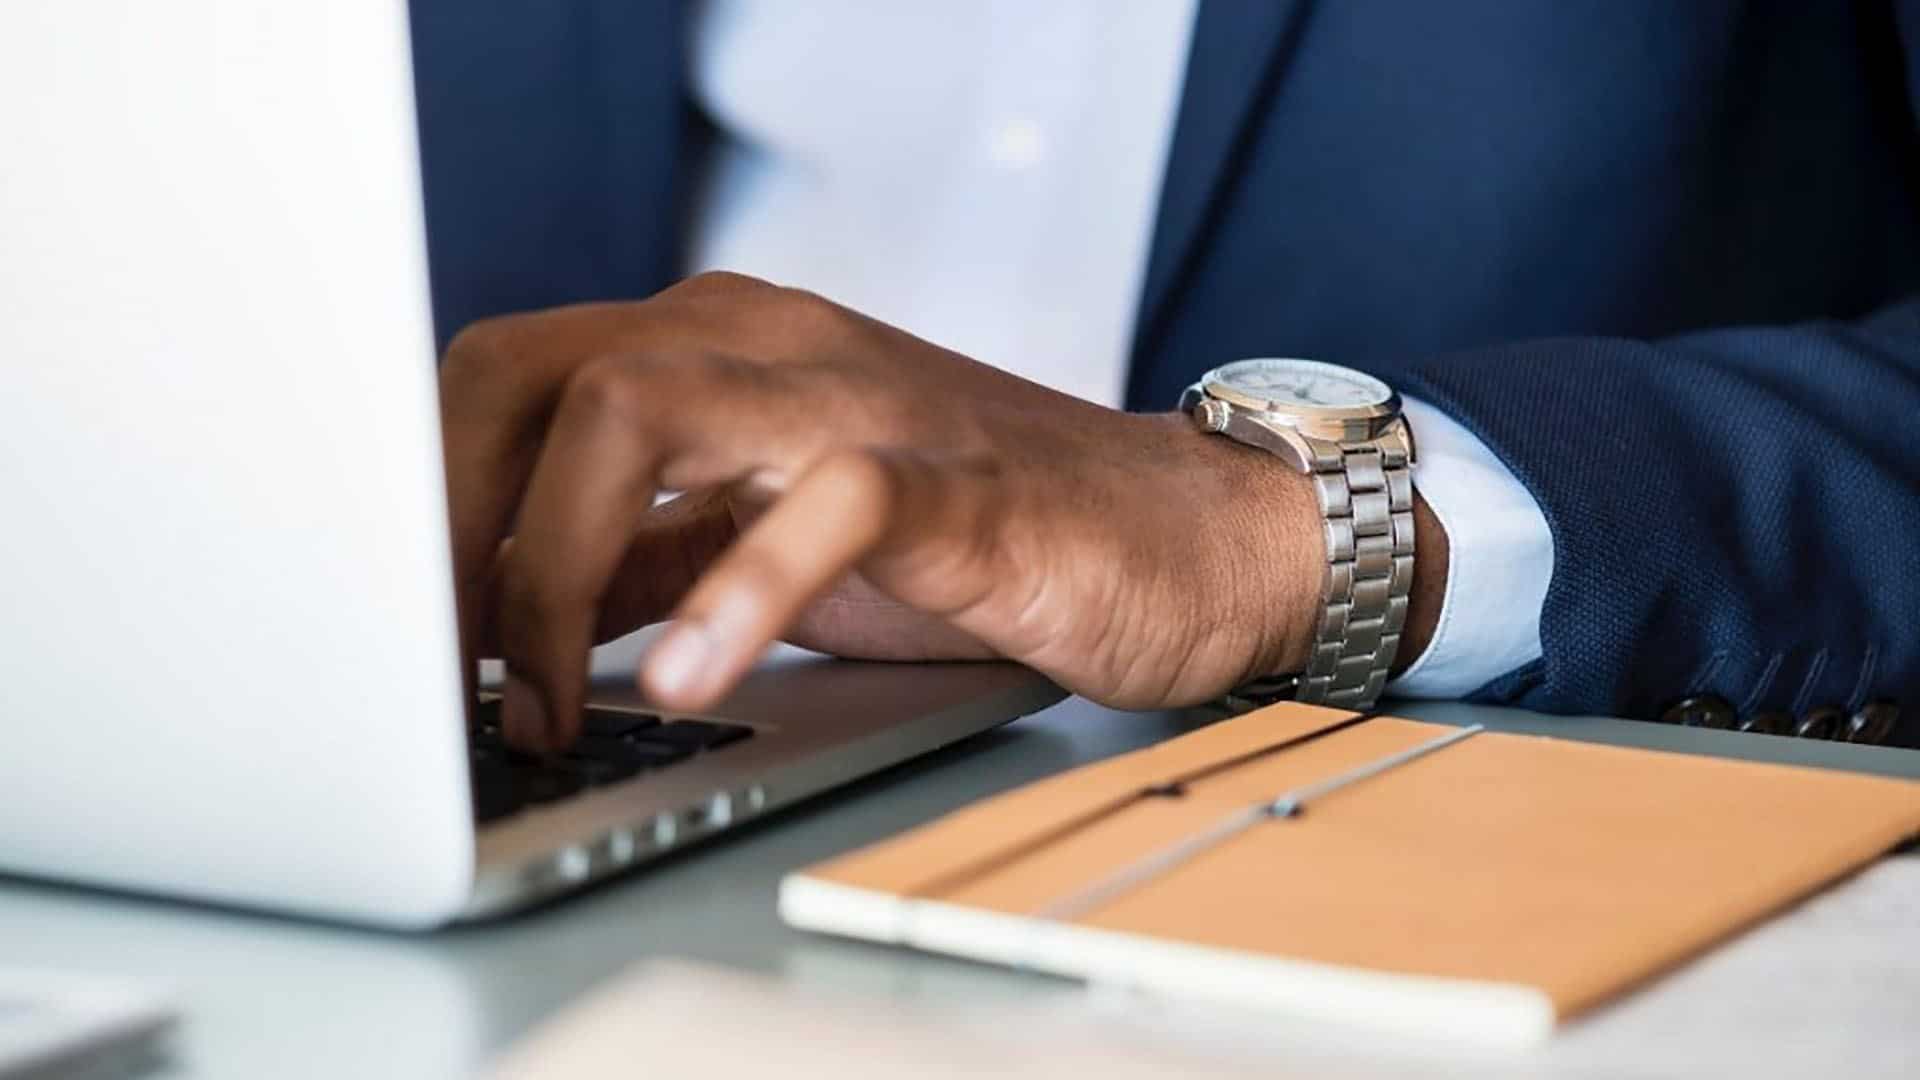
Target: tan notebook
<point>1474,885</point>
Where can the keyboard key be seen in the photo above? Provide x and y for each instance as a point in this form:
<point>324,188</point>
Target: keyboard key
<point>615,745</point>
<point>486,715</point>
<point>486,718</point>
<point>695,734</point>
<point>615,722</point>
<point>639,752</point>
<point>542,784</point>
<point>598,746</point>
<point>599,772</point>
<point>496,793</point>
<point>492,804</point>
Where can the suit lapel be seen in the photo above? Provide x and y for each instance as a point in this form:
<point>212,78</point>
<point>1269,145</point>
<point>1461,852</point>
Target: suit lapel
<point>1234,63</point>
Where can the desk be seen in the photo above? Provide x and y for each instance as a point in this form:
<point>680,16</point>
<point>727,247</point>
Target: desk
<point>1823,989</point>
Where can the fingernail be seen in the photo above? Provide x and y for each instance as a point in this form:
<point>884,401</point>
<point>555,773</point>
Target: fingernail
<point>523,714</point>
<point>679,659</point>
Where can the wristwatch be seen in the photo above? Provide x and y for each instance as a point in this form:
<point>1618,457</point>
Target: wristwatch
<point>1344,429</point>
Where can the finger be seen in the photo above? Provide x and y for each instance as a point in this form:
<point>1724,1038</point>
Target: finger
<point>851,506</point>
<point>495,399</point>
<point>501,380</point>
<point>588,495</point>
<point>626,425</point>
<point>674,543</point>
<point>621,426</point>
<point>858,621</point>
<point>855,619</point>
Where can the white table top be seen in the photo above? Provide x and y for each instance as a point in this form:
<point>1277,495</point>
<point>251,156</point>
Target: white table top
<point>1832,986</point>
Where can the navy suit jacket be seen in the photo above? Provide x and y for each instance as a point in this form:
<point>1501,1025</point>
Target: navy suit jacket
<point>1663,258</point>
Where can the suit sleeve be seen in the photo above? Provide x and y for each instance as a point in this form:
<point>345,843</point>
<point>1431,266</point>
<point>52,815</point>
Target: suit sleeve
<point>1734,512</point>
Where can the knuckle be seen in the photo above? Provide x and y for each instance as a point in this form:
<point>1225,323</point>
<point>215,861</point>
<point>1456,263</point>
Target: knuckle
<point>607,389</point>
<point>479,349</point>
<point>715,281</point>
<point>808,313</point>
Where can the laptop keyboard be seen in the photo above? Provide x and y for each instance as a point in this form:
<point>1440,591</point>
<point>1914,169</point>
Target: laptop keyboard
<point>614,745</point>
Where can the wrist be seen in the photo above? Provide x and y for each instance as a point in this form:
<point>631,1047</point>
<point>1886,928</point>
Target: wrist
<point>1431,558</point>
<point>1272,558</point>
<point>1259,547</point>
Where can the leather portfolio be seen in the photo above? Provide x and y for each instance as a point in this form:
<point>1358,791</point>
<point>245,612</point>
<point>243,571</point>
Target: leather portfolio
<point>1370,869</point>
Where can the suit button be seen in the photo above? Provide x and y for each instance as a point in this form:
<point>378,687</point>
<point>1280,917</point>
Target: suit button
<point>1704,711</point>
<point>1766,723</point>
<point>1825,722</point>
<point>1872,723</point>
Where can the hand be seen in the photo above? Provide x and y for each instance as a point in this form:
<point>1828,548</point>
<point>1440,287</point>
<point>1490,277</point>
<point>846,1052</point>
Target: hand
<point>850,488</point>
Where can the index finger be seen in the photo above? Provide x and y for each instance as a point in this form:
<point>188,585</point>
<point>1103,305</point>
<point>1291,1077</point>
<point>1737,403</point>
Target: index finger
<point>623,422</point>
<point>499,384</point>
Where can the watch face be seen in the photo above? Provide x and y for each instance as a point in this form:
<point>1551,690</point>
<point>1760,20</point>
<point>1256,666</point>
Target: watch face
<point>1296,384</point>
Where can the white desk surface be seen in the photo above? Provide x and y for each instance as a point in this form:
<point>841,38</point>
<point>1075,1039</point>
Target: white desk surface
<point>1832,987</point>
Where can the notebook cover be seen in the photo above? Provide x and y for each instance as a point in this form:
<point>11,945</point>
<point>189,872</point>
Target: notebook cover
<point>1493,888</point>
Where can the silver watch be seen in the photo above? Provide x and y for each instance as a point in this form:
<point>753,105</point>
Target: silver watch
<point>1344,429</point>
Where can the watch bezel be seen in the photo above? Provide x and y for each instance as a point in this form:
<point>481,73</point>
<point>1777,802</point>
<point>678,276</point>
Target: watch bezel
<point>1215,385</point>
<point>1340,423</point>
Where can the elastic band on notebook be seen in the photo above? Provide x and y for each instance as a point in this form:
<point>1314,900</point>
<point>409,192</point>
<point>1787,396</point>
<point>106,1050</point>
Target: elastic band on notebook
<point>1287,804</point>
<point>1174,787</point>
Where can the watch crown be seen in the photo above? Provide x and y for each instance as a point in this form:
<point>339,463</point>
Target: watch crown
<point>1211,415</point>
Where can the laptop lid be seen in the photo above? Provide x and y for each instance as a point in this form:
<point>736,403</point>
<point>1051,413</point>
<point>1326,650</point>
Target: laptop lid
<point>226,616</point>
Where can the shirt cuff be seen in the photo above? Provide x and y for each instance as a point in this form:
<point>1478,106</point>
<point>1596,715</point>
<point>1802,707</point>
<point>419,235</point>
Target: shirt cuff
<point>1499,563</point>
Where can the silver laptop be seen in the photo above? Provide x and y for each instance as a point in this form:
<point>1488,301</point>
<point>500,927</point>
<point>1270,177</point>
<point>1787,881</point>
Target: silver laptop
<point>227,650</point>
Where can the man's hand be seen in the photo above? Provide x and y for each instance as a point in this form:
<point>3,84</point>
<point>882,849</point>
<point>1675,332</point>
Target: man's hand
<point>850,488</point>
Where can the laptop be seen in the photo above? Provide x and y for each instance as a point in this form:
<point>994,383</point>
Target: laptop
<point>229,665</point>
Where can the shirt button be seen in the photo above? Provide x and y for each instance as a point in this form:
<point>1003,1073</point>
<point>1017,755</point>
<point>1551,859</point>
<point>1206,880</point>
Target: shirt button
<point>1017,144</point>
<point>1872,723</point>
<point>1704,710</point>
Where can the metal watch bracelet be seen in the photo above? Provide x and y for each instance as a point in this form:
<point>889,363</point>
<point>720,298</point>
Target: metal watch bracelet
<point>1366,496</point>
